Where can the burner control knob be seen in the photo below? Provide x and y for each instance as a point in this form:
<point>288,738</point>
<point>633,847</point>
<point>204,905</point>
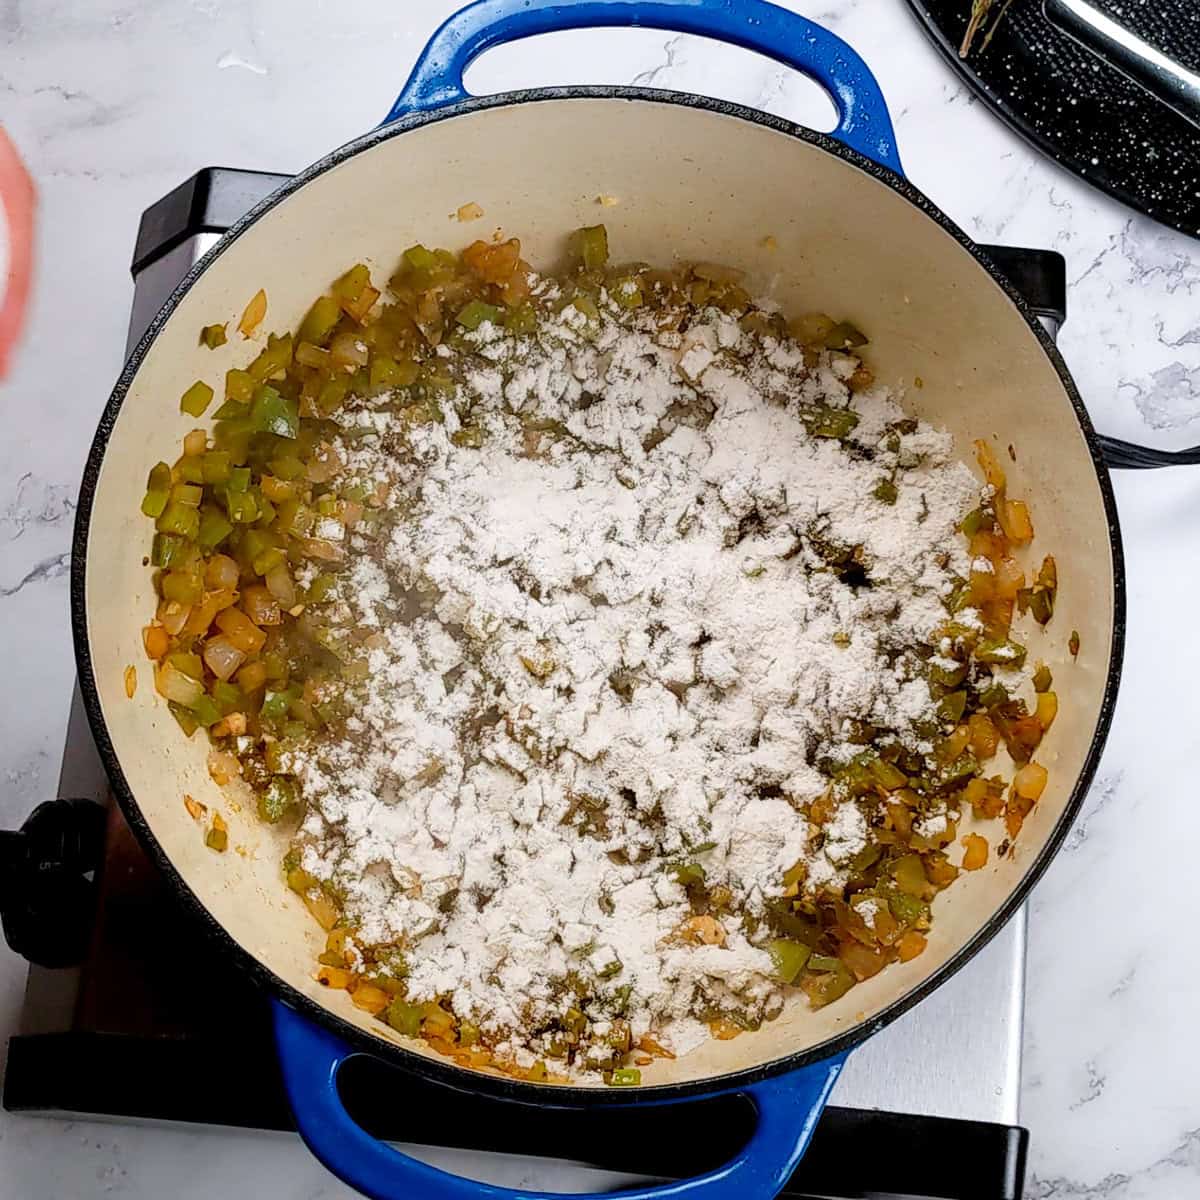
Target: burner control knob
<point>48,881</point>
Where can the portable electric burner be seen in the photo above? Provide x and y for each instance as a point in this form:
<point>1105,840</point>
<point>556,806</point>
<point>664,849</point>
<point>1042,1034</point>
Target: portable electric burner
<point>131,1015</point>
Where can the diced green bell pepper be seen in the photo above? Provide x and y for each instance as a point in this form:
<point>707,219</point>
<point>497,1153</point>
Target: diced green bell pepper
<point>213,336</point>
<point>827,987</point>
<point>387,372</point>
<point>167,549</point>
<point>952,707</point>
<point>332,395</point>
<point>230,408</point>
<point>278,799</point>
<point>286,467</point>
<point>476,313</point>
<point>268,560</point>
<point>789,958</point>
<point>1001,652</point>
<point>239,385</point>
<point>196,399</point>
<point>228,696</point>
<point>823,421</point>
<point>274,357</point>
<point>823,962</point>
<point>845,336</point>
<point>153,503</point>
<point>690,874</point>
<point>184,587</point>
<point>470,436</point>
<point>181,519</point>
<point>320,588</point>
<point>158,490</point>
<point>625,1076</point>
<point>214,529</point>
<point>319,321</point>
<point>185,717</point>
<point>206,711</point>
<point>241,507</point>
<point>418,258</point>
<point>522,319</point>
<point>190,469</point>
<point>349,286</point>
<point>187,662</point>
<point>275,704</point>
<point>272,413</point>
<point>974,521</point>
<point>215,466</point>
<point>403,1017</point>
<point>947,677</point>
<point>590,246</point>
<point>626,292</point>
<point>886,492</point>
<point>187,493</point>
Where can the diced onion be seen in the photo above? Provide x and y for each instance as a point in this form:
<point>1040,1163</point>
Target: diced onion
<point>277,490</point>
<point>1030,781</point>
<point>976,855</point>
<point>173,684</point>
<point>222,657</point>
<point>261,607</point>
<point>370,998</point>
<point>221,572</point>
<point>347,350</point>
<point>223,767</point>
<point>334,977</point>
<point>173,616</point>
<point>253,675</point>
<point>253,314</point>
<point>279,584</point>
<point>989,464</point>
<point>1009,578</point>
<point>309,355</point>
<point>1014,519</point>
<point>321,548</point>
<point>324,465</point>
<point>156,640</point>
<point>241,630</point>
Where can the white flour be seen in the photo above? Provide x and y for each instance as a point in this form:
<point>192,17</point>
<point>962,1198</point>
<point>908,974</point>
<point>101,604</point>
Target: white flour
<point>621,634</point>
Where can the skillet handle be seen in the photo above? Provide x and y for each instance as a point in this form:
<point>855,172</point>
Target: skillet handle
<point>788,1108</point>
<point>1127,456</point>
<point>863,121</point>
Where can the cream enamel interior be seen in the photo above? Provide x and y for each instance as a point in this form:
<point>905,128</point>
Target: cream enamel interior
<point>692,184</point>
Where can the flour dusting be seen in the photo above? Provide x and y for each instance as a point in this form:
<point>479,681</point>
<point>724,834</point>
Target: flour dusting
<point>643,593</point>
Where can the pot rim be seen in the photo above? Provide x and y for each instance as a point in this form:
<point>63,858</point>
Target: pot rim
<point>445,1072</point>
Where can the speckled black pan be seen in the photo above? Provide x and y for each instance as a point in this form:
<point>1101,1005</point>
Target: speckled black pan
<point>1083,113</point>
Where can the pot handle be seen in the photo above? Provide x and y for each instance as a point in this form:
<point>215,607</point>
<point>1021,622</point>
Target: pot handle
<point>863,121</point>
<point>1128,456</point>
<point>788,1108</point>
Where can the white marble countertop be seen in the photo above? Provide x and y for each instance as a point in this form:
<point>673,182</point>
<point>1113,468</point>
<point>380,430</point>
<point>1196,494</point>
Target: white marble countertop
<point>116,101</point>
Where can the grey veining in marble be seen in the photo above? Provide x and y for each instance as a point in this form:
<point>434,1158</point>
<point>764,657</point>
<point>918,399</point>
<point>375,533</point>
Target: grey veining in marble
<point>113,103</point>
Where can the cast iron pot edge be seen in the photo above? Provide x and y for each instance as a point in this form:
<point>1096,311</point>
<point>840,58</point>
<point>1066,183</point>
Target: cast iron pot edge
<point>503,1087</point>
